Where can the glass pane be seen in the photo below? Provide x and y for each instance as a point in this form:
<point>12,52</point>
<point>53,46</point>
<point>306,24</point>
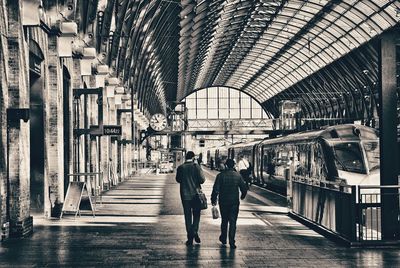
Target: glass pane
<point>245,102</point>
<point>246,113</point>
<point>201,94</point>
<point>190,103</point>
<point>223,103</point>
<point>234,104</point>
<point>223,113</point>
<point>213,113</point>
<point>201,103</point>
<point>234,113</point>
<point>223,92</point>
<point>234,93</point>
<point>213,92</point>
<point>191,114</point>
<point>212,103</point>
<point>256,113</point>
<point>201,113</point>
<point>191,96</point>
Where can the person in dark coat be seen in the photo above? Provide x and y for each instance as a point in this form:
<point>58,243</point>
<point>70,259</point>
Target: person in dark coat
<point>226,190</point>
<point>190,176</point>
<point>212,163</point>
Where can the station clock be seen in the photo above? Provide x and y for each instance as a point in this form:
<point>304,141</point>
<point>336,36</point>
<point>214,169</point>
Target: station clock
<point>158,122</point>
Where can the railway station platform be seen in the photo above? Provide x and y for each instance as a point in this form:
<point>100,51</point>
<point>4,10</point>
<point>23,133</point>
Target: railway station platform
<point>140,223</point>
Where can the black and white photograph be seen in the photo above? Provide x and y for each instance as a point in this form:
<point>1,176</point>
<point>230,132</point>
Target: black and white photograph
<point>200,133</point>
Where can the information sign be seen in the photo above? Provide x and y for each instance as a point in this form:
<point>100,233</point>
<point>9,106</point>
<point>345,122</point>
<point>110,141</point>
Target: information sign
<point>112,130</point>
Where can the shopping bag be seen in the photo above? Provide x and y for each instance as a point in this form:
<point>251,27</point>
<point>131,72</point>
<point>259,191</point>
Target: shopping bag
<point>215,212</point>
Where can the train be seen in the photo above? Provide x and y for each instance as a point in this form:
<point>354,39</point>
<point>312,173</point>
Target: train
<point>347,154</point>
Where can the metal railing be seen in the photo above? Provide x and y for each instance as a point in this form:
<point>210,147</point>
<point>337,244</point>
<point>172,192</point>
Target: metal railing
<point>147,167</point>
<point>352,213</point>
<point>325,204</point>
<point>369,199</point>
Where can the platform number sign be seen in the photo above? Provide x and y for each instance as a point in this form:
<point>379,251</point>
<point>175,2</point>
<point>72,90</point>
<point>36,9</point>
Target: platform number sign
<point>158,122</point>
<point>112,130</point>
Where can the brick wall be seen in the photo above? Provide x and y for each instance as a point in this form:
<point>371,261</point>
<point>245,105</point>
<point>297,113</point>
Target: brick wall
<point>3,126</point>
<point>53,116</point>
<point>15,93</point>
<point>18,134</point>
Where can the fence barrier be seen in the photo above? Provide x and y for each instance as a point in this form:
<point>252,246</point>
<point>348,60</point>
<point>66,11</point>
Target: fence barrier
<point>352,213</point>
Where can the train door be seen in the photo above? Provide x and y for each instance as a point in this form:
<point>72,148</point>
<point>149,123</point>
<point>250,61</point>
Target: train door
<point>254,163</point>
<point>261,160</point>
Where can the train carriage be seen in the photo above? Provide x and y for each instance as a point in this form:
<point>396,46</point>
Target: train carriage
<point>345,153</point>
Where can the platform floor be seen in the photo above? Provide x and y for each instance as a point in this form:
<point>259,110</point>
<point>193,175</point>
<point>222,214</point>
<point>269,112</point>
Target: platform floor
<point>140,224</point>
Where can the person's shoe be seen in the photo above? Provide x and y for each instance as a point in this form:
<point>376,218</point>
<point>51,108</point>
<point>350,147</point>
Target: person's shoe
<point>233,246</point>
<point>222,241</point>
<point>197,238</point>
<point>189,242</point>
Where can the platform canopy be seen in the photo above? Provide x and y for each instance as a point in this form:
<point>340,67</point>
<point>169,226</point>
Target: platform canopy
<point>166,49</point>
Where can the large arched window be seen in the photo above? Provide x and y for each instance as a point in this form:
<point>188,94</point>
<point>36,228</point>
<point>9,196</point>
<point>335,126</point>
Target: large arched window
<point>222,103</point>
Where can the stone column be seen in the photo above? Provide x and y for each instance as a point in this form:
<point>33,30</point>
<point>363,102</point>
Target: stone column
<point>18,130</point>
<point>389,156</point>
<point>54,136</point>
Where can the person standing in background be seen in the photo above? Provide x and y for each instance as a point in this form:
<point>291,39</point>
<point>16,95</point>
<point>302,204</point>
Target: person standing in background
<point>243,167</point>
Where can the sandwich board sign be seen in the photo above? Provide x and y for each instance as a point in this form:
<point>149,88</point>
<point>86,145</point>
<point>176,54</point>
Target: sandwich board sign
<point>72,203</point>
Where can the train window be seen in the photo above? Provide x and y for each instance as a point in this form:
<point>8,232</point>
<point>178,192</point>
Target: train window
<point>348,157</point>
<point>269,161</point>
<point>372,152</point>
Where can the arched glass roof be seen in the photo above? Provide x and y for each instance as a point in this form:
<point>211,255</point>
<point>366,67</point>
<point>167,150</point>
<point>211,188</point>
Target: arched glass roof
<point>264,47</point>
<point>165,49</point>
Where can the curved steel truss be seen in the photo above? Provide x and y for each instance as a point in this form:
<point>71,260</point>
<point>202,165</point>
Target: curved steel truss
<point>165,49</point>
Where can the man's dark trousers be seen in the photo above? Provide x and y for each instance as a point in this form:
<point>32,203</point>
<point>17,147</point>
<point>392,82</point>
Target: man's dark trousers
<point>229,214</point>
<point>192,218</point>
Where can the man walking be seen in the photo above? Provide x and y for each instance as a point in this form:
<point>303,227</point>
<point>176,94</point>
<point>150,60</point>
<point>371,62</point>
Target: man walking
<point>226,187</point>
<point>190,176</point>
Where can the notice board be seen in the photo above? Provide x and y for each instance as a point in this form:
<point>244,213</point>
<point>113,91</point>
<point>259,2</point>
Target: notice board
<point>72,203</point>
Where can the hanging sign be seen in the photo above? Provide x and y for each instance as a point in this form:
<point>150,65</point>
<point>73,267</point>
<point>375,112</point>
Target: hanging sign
<point>112,130</point>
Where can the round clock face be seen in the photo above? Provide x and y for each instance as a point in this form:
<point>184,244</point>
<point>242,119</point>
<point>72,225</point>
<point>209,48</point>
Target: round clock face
<point>158,122</point>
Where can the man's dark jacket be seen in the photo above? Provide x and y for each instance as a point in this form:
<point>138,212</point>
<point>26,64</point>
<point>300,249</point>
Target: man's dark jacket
<point>227,185</point>
<point>190,176</point>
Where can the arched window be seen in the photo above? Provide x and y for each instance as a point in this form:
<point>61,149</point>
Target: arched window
<point>222,103</point>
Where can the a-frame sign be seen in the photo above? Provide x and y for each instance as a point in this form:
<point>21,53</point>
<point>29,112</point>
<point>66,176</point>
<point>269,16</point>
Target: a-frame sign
<point>76,190</point>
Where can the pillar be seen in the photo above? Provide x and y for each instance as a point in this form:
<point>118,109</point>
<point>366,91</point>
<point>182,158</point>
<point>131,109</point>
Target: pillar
<point>388,136</point>
<point>17,130</point>
<point>54,135</point>
<point>4,230</point>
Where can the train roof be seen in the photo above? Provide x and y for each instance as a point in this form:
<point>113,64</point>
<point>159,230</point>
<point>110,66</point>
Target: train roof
<point>245,144</point>
<point>340,132</point>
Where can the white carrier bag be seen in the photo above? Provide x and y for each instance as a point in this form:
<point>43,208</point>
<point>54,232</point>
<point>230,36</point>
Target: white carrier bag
<point>215,212</point>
